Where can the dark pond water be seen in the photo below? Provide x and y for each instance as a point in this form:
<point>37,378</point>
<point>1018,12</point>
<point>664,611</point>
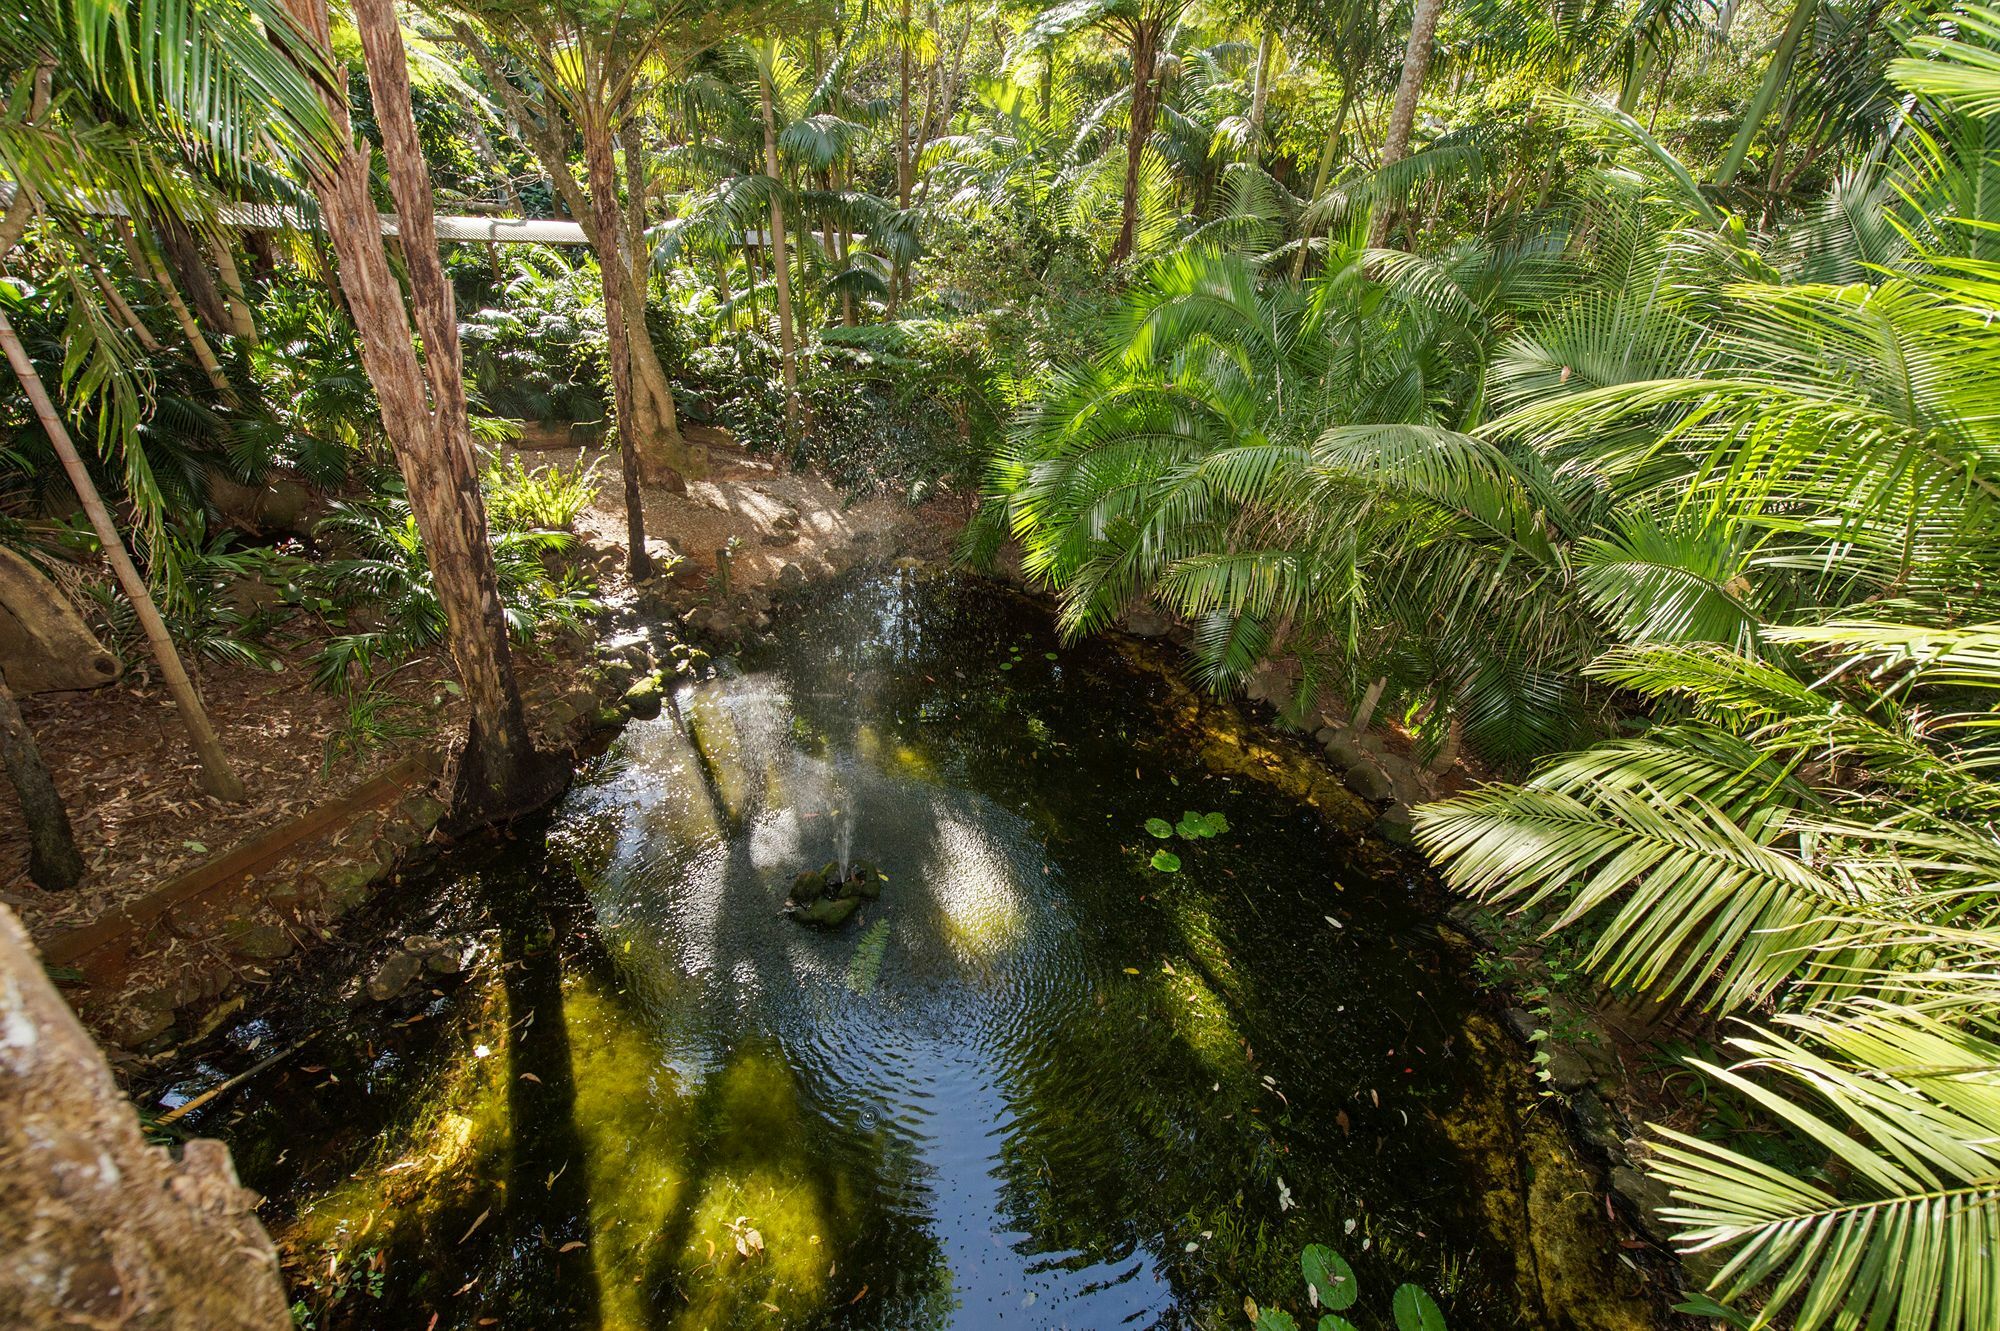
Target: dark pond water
<point>1039,1083</point>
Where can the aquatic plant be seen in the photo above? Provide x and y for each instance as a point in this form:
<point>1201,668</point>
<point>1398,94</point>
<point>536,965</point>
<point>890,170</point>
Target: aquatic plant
<point>1331,1287</point>
<point>866,964</point>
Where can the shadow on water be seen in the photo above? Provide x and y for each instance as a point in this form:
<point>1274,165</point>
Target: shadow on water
<point>550,1238</point>
<point>1039,1083</point>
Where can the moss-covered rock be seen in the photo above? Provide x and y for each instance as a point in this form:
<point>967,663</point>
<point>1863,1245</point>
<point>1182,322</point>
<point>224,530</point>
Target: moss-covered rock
<point>645,698</point>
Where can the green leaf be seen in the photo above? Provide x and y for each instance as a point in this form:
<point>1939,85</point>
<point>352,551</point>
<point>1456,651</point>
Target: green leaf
<point>1160,828</point>
<point>1332,1323</point>
<point>1329,1275</point>
<point>1276,1319</point>
<point>1415,1311</point>
<point>1166,861</point>
<point>1217,824</point>
<point>1191,826</point>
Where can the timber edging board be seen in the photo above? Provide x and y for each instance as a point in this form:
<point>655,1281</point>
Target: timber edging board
<point>248,858</point>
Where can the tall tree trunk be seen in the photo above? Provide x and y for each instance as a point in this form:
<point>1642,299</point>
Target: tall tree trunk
<point>1145,59</point>
<point>101,1228</point>
<point>1260,91</point>
<point>423,409</point>
<point>53,863</point>
<point>1417,55</point>
<point>118,305</point>
<point>903,176</point>
<point>198,345</point>
<point>665,454</point>
<point>217,777</point>
<point>242,322</point>
<point>780,268</point>
<point>1335,137</point>
<point>184,256</point>
<point>1776,75</point>
<point>604,212</point>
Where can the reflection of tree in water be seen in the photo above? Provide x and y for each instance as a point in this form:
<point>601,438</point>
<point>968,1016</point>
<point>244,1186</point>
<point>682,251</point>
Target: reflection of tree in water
<point>1139,1116</point>
<point>1124,1141</point>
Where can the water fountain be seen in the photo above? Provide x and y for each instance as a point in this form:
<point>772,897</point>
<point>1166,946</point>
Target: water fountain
<point>828,897</point>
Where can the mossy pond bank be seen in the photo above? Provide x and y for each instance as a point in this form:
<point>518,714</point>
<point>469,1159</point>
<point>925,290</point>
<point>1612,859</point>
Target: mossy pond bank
<point>1040,1082</point>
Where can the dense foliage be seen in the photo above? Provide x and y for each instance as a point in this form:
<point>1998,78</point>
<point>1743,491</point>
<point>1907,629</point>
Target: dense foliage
<point>1607,387</point>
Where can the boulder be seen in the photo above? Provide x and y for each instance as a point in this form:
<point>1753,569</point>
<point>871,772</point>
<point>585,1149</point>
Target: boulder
<point>277,506</point>
<point>259,940</point>
<point>396,973</point>
<point>828,912</point>
<point>1369,782</point>
<point>791,579</point>
<point>826,899</point>
<point>646,697</point>
<point>1645,1197</point>
<point>1397,823</point>
<point>44,644</point>
<point>1568,1070</point>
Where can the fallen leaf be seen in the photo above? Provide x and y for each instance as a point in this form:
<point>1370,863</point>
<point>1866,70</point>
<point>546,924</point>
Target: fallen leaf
<point>529,1076</point>
<point>858,1296</point>
<point>571,1246</point>
<point>476,1224</point>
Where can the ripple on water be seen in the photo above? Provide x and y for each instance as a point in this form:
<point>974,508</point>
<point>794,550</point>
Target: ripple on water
<point>1068,1091</point>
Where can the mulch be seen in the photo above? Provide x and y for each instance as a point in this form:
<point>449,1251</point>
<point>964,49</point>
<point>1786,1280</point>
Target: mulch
<point>123,764</point>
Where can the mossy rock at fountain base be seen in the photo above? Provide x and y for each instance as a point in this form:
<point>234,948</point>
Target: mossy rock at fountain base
<point>827,898</point>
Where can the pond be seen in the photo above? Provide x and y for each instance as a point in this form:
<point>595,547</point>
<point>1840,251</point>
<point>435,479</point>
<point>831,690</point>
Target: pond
<point>1040,1082</point>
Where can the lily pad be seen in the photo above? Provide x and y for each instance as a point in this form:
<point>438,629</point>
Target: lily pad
<point>1193,826</point>
<point>1160,828</point>
<point>1166,861</point>
<point>1329,1276</point>
<point>1415,1310</point>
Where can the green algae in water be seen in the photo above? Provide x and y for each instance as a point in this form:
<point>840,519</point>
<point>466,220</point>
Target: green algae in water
<point>658,1104</point>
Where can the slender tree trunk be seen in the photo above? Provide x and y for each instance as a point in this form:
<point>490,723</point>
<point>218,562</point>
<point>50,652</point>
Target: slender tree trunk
<point>119,306</point>
<point>1636,75</point>
<point>1335,137</point>
<point>184,256</point>
<point>217,777</point>
<point>204,354</point>
<point>604,212</point>
<point>665,455</point>
<point>423,409</point>
<point>1365,712</point>
<point>780,269</point>
<point>1260,91</point>
<point>53,863</point>
<point>1776,75</point>
<point>1145,58</point>
<point>1409,91</point>
<point>101,1228</point>
<point>903,177</point>
<point>242,322</point>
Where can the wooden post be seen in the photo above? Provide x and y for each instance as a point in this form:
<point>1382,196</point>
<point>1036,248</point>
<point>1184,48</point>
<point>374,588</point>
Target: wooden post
<point>216,775</point>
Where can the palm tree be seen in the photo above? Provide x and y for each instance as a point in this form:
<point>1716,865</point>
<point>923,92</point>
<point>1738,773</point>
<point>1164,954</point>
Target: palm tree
<point>109,107</point>
<point>1142,26</point>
